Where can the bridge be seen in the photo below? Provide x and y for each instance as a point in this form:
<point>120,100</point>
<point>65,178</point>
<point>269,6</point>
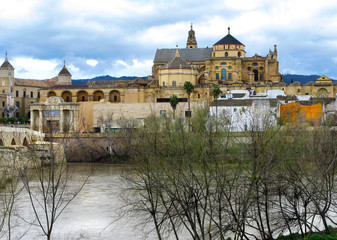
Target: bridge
<point>14,136</point>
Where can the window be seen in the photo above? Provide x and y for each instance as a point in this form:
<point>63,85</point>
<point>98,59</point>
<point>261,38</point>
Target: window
<point>229,76</point>
<point>17,93</point>
<point>217,68</point>
<point>83,98</point>
<point>17,104</point>
<point>226,54</point>
<point>163,84</point>
<point>261,68</point>
<point>67,98</point>
<point>261,77</point>
<point>230,67</point>
<point>99,98</point>
<point>31,94</point>
<point>306,93</point>
<point>24,93</point>
<point>249,68</point>
<point>223,74</point>
<point>115,98</point>
<point>299,90</point>
<point>38,94</point>
<point>223,64</point>
<point>3,104</point>
<point>255,64</point>
<point>198,95</point>
<point>217,76</point>
<point>3,91</point>
<point>174,83</point>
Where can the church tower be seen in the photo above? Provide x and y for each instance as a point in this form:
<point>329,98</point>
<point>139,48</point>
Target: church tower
<point>6,68</point>
<point>191,40</point>
<point>64,77</point>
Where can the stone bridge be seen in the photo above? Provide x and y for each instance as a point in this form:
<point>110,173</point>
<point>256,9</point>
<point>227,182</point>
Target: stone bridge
<point>13,136</point>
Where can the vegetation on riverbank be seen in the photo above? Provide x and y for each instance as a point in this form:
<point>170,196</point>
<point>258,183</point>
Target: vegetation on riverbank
<point>194,178</point>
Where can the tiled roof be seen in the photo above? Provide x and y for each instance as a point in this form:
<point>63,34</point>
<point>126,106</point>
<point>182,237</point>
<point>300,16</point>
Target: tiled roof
<point>33,83</point>
<point>188,54</point>
<point>228,39</point>
<point>73,86</point>
<point>178,63</point>
<point>64,71</point>
<point>6,64</point>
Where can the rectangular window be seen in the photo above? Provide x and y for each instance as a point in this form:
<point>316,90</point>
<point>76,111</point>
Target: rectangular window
<point>17,104</point>
<point>3,104</point>
<point>229,76</point>
<point>24,93</point>
<point>198,95</point>
<point>38,94</point>
<point>174,83</point>
<point>261,77</point>
<point>17,93</point>
<point>31,94</point>
<point>163,84</point>
<point>217,76</point>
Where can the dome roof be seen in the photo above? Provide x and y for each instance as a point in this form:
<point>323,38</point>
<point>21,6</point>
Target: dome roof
<point>228,39</point>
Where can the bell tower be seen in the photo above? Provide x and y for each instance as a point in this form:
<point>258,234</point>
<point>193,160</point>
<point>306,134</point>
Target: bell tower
<point>191,40</point>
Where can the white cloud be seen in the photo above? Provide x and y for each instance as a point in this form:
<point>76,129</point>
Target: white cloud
<point>32,68</point>
<point>136,68</point>
<point>107,7</point>
<point>73,68</point>
<point>18,9</point>
<point>92,62</point>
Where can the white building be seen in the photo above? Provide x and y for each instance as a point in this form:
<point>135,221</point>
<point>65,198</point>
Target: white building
<point>245,110</point>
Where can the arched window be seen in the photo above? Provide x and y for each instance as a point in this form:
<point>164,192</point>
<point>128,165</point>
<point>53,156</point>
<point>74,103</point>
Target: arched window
<point>51,94</point>
<point>239,54</point>
<point>25,142</point>
<point>82,96</point>
<point>114,96</point>
<point>67,96</point>
<point>98,95</point>
<point>223,74</point>
<point>226,54</point>
<point>13,142</point>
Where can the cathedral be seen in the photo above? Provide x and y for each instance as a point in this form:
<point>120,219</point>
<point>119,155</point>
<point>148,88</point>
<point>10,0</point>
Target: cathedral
<point>225,64</point>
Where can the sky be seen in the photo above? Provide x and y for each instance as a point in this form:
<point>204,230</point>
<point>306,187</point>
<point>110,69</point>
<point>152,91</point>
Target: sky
<point>120,37</point>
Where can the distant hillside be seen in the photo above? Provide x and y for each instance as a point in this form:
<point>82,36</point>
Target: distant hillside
<point>102,78</point>
<point>289,78</point>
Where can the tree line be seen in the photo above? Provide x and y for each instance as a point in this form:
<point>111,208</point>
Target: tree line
<point>196,180</point>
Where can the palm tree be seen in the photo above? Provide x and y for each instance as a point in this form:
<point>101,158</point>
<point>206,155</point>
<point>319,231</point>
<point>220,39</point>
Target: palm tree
<point>216,93</point>
<point>188,86</point>
<point>174,102</point>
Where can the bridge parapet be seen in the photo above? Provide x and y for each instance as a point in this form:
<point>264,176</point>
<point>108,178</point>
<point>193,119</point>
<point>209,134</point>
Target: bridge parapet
<point>10,136</point>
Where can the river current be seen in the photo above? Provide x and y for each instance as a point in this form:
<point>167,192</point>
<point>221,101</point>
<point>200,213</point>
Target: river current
<point>94,214</point>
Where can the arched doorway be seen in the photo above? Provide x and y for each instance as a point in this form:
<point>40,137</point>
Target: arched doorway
<point>82,96</point>
<point>114,96</point>
<point>51,94</point>
<point>223,74</point>
<point>256,75</point>
<point>13,142</point>
<point>67,96</point>
<point>98,95</point>
<point>322,93</point>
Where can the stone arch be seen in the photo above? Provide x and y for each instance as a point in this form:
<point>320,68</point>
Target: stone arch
<point>82,96</point>
<point>322,93</point>
<point>51,94</point>
<point>13,142</point>
<point>67,96</point>
<point>25,142</point>
<point>114,96</point>
<point>98,95</point>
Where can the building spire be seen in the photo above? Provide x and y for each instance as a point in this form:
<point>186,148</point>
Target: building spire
<point>177,52</point>
<point>191,40</point>
<point>229,30</point>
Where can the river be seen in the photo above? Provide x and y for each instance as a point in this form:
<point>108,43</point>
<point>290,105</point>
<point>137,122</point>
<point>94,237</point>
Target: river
<point>93,214</point>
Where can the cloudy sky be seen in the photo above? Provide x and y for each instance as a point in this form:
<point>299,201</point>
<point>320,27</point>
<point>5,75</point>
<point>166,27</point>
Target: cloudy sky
<point>120,37</point>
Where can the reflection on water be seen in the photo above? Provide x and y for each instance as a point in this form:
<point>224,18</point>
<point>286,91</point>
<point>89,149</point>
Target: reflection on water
<point>94,214</point>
